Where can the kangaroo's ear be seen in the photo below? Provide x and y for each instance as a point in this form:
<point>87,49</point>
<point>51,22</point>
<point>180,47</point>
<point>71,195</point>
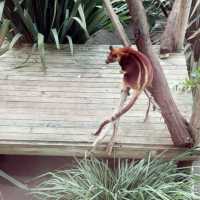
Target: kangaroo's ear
<point>111,47</point>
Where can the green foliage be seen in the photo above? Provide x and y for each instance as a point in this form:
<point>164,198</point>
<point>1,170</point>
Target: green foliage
<point>66,21</point>
<point>147,179</point>
<point>2,3</point>
<point>157,11</point>
<point>40,45</point>
<point>57,19</point>
<point>193,82</point>
<point>4,28</point>
<point>153,13</point>
<point>78,19</point>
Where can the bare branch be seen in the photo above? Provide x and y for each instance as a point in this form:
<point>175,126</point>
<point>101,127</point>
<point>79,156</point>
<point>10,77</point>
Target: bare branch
<point>122,35</point>
<point>117,24</point>
<point>120,30</point>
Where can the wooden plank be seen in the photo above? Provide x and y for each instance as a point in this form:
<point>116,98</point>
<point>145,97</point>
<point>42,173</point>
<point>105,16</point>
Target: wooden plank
<point>62,84</point>
<point>72,69</point>
<point>139,129</point>
<point>82,149</point>
<point>84,138</point>
<point>54,113</point>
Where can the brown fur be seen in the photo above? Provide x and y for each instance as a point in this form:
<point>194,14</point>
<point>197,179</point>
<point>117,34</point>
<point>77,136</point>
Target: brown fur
<point>134,64</point>
<point>138,74</point>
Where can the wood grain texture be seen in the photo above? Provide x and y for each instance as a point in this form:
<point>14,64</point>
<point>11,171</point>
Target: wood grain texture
<point>55,113</point>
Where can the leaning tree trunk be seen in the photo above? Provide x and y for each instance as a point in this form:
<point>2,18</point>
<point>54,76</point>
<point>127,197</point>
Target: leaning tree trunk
<point>195,119</point>
<point>178,127</point>
<point>174,34</point>
<point>193,62</point>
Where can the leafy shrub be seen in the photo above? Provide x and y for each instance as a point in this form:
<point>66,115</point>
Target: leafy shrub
<point>62,21</point>
<point>157,12</point>
<point>193,82</point>
<point>148,179</point>
<point>59,20</point>
<point>66,21</point>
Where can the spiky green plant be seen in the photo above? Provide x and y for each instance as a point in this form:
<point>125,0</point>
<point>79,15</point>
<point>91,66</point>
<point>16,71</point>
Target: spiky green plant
<point>58,20</point>
<point>157,11</point>
<point>147,179</point>
<point>66,21</point>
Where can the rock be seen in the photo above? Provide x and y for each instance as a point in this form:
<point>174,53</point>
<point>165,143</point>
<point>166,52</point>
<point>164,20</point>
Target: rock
<point>103,37</point>
<point>106,37</point>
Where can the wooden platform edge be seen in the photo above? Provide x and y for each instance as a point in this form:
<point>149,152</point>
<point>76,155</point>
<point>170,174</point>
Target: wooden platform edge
<point>83,150</point>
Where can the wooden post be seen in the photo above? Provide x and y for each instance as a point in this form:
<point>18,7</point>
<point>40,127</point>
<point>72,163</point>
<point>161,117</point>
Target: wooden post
<point>178,127</point>
<point>174,34</point>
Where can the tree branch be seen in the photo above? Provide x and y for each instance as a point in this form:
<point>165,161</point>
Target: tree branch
<point>102,133</point>
<point>116,23</point>
<point>174,34</point>
<point>178,127</point>
<point>125,41</point>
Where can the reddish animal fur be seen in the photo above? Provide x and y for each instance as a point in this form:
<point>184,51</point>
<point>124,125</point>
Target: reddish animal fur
<point>138,74</point>
<point>137,68</point>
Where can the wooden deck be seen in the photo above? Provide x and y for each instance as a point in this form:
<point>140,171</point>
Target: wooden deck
<point>55,113</point>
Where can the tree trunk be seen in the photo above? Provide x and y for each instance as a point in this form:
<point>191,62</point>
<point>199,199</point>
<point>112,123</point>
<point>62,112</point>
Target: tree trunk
<point>174,34</point>
<point>195,119</point>
<point>193,63</point>
<point>178,127</point>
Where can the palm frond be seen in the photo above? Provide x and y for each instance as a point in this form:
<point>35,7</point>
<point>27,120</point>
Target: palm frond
<point>70,44</point>
<point>56,38</point>
<point>14,40</point>
<point>4,30</point>
<point>40,42</point>
<point>2,4</point>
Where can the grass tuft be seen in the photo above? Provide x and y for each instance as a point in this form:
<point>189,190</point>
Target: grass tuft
<point>92,179</point>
